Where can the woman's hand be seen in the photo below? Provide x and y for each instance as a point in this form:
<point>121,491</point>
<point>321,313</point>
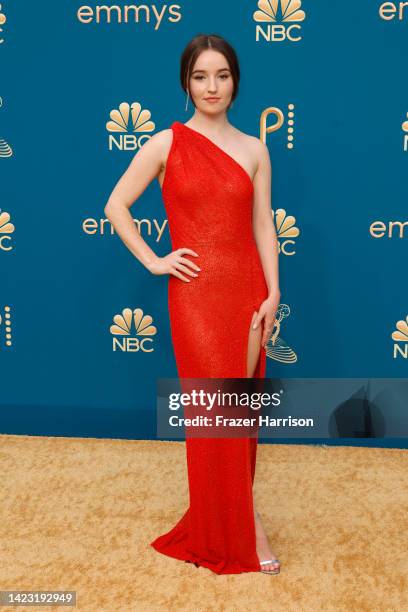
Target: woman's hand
<point>174,263</point>
<point>267,311</point>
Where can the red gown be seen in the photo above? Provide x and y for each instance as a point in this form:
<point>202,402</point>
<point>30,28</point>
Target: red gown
<point>208,198</point>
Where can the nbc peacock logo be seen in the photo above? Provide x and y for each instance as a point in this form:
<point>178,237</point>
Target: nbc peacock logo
<point>276,348</point>
<point>3,20</point>
<point>278,20</point>
<point>6,228</point>
<point>286,231</point>
<point>400,337</point>
<point>132,331</point>
<point>5,149</point>
<point>129,127</point>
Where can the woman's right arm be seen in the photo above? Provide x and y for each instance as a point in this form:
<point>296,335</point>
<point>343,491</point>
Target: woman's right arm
<point>144,167</point>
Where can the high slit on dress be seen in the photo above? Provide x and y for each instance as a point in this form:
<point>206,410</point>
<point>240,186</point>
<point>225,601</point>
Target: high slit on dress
<point>208,198</point>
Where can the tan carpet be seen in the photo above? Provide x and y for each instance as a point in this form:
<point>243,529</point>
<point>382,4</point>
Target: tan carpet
<point>78,514</point>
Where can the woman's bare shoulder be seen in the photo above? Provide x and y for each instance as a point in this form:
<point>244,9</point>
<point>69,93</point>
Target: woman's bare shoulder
<point>258,149</point>
<point>161,140</point>
<point>158,145</point>
<point>254,142</point>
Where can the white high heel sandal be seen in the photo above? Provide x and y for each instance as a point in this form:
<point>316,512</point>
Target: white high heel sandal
<point>275,571</point>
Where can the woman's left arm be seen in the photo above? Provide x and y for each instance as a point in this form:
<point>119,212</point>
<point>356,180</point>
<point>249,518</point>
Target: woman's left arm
<point>266,239</point>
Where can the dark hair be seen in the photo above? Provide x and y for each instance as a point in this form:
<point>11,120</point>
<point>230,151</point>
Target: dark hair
<point>200,43</point>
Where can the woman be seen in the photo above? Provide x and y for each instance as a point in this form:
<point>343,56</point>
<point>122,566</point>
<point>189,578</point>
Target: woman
<point>223,292</point>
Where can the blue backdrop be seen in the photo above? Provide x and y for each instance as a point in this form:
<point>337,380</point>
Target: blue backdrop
<point>339,159</point>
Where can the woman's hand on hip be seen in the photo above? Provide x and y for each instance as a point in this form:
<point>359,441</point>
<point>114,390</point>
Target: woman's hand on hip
<point>174,263</point>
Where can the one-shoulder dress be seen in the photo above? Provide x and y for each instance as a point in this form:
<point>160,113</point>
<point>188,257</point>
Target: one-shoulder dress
<point>208,197</point>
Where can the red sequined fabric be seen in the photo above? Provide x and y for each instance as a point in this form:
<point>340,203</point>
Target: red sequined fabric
<point>208,198</point>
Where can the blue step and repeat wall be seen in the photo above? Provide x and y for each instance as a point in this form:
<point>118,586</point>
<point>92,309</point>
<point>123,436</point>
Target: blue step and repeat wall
<point>84,327</point>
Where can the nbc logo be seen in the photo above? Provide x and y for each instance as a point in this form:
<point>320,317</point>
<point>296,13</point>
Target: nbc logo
<point>5,149</point>
<point>6,228</point>
<point>276,348</point>
<point>129,124</point>
<point>400,335</point>
<point>286,230</point>
<point>3,20</point>
<point>280,20</point>
<point>132,331</point>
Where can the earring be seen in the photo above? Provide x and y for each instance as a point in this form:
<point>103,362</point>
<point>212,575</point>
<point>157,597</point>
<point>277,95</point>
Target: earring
<point>188,95</point>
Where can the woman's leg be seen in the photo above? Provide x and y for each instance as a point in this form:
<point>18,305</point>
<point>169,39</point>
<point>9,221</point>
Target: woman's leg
<point>263,549</point>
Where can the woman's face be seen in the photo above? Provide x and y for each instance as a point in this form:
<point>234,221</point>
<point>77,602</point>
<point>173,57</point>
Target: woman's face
<point>211,78</point>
